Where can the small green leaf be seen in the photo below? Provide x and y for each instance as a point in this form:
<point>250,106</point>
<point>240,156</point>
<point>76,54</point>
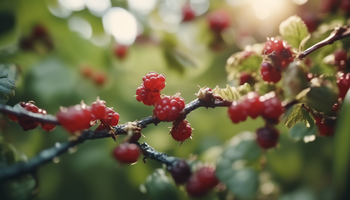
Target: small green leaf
<point>294,31</point>
<point>178,60</point>
<point>295,116</point>
<point>7,83</point>
<point>316,98</point>
<point>299,131</point>
<point>237,63</point>
<point>231,93</point>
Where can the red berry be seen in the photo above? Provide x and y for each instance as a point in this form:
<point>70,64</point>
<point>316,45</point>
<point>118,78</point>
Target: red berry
<point>187,13</point>
<point>269,73</point>
<point>146,96</point>
<point>237,112</point>
<point>335,107</point>
<point>218,21</point>
<point>168,108</point>
<point>112,118</point>
<point>12,117</point>
<point>181,131</point>
<point>180,171</point>
<point>103,127</point>
<point>267,137</point>
<point>279,52</point>
<point>252,104</point>
<point>343,82</point>
<point>202,182</point>
<point>26,122</point>
<point>345,6</point>
<point>99,109</point>
<point>340,58</point>
<point>126,153</point>
<point>39,31</point>
<point>48,127</point>
<point>86,71</point>
<point>323,128</point>
<point>244,78</point>
<point>75,118</point>
<point>121,51</point>
<point>99,78</point>
<point>154,81</point>
<point>272,107</point>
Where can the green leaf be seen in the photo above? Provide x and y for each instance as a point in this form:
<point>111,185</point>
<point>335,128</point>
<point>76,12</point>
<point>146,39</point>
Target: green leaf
<point>178,60</point>
<point>294,80</point>
<point>232,93</point>
<point>237,63</point>
<point>295,116</point>
<point>316,97</point>
<point>158,186</point>
<point>300,130</point>
<point>341,162</point>
<point>7,83</point>
<point>244,183</point>
<point>294,31</point>
<point>232,167</point>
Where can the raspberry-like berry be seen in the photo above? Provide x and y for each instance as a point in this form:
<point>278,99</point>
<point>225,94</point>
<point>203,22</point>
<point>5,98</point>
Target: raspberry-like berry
<point>121,51</point>
<point>181,131</point>
<point>267,137</point>
<point>99,78</point>
<point>187,13</point>
<point>126,153</point>
<point>168,108</point>
<point>325,129</point>
<point>112,118</point>
<point>252,104</point>
<point>99,109</point>
<point>75,118</point>
<point>270,73</point>
<point>202,182</point>
<point>146,96</point>
<point>180,171</point>
<point>218,21</point>
<point>272,107</point>
<point>154,81</point>
<point>237,112</point>
<point>244,78</point>
<point>340,58</point>
<point>343,82</point>
<point>279,52</point>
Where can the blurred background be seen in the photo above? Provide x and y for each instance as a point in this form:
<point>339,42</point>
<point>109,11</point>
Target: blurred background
<point>68,51</point>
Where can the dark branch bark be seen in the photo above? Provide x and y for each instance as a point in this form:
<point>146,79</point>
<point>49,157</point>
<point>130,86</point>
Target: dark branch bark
<point>337,34</point>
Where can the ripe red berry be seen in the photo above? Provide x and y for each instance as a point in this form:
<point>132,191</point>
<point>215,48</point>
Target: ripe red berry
<point>180,171</point>
<point>12,117</point>
<point>154,81</point>
<point>75,118</point>
<point>252,104</point>
<point>237,112</point>
<point>181,131</point>
<point>218,21</point>
<point>99,109</point>
<point>168,108</point>
<point>112,118</point>
<point>343,82</point>
<point>187,13</point>
<point>244,78</point>
<point>202,182</point>
<point>26,122</point>
<point>126,153</point>
<point>272,107</point>
<point>267,137</point>
<point>270,73</point>
<point>146,96</point>
<point>99,78</point>
<point>279,52</point>
<point>340,58</point>
<point>121,51</point>
<point>324,129</point>
<point>48,127</point>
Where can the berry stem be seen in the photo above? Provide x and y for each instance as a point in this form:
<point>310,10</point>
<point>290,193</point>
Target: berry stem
<point>150,152</point>
<point>337,34</point>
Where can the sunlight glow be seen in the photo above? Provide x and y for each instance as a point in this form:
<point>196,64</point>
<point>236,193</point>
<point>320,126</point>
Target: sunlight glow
<point>121,24</point>
<point>264,8</point>
<point>81,26</point>
<point>75,5</point>
<point>98,7</point>
<point>142,6</point>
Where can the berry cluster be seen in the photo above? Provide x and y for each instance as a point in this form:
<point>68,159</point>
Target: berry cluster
<point>39,35</point>
<point>149,91</point>
<point>325,127</point>
<point>168,108</point>
<point>181,131</point>
<point>28,123</point>
<point>253,105</point>
<point>98,77</point>
<point>201,182</point>
<point>277,56</point>
<point>343,82</point>
<point>80,117</point>
<point>127,153</point>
